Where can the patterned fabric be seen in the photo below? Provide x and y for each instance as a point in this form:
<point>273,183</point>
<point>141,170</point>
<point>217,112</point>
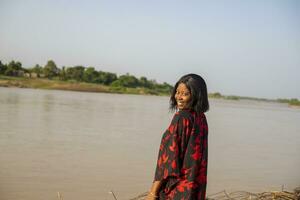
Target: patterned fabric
<point>182,158</point>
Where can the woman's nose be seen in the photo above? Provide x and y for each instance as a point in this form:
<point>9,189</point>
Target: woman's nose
<point>179,96</point>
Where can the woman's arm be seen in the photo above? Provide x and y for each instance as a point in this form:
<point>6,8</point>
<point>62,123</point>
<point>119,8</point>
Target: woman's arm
<point>153,193</point>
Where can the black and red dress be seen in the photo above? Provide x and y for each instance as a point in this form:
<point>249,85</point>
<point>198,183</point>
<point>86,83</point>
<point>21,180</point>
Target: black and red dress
<point>182,158</point>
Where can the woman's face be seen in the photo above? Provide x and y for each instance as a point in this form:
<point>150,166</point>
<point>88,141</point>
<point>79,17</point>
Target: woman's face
<point>182,96</point>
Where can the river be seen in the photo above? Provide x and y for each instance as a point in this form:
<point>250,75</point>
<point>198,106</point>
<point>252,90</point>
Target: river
<point>84,145</point>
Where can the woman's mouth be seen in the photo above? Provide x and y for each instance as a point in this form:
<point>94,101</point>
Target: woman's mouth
<point>179,103</point>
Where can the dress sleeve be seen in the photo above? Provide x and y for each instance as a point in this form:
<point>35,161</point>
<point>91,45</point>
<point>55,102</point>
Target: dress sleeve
<point>172,148</point>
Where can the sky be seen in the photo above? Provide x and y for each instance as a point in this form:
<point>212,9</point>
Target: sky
<point>240,47</point>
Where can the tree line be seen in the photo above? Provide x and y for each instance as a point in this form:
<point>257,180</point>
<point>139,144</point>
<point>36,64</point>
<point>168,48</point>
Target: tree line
<point>81,74</point>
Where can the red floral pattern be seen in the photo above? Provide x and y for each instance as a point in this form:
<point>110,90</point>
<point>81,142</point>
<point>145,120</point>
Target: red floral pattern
<point>182,158</point>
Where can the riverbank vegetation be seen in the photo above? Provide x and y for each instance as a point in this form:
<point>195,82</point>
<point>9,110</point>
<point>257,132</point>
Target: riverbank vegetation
<point>80,78</point>
<point>290,102</point>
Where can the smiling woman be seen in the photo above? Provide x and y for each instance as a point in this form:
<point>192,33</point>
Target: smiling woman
<point>195,86</point>
<point>181,170</point>
<point>182,96</point>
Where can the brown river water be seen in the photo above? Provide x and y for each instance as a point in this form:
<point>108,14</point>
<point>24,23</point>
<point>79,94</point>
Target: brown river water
<point>84,145</point>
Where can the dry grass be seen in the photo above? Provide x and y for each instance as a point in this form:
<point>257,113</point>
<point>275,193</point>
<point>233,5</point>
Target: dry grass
<point>244,195</point>
<point>52,84</point>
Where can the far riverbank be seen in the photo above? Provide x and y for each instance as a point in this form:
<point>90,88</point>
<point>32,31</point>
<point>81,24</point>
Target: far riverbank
<point>44,83</point>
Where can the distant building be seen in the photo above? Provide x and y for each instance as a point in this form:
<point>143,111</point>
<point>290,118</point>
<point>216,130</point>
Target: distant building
<point>33,75</point>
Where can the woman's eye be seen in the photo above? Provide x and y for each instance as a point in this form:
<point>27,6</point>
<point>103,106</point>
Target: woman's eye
<point>182,93</point>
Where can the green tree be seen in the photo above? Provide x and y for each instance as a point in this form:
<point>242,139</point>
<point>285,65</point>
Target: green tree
<point>107,78</point>
<point>163,88</point>
<point>50,70</point>
<point>63,74</point>
<point>37,69</point>
<point>3,67</point>
<point>295,102</point>
<point>143,82</point>
<point>13,68</point>
<point>75,73</point>
<point>215,95</point>
<point>90,75</point>
<point>126,81</point>
<point>152,84</point>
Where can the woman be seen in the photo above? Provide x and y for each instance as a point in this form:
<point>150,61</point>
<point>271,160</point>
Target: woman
<point>181,171</point>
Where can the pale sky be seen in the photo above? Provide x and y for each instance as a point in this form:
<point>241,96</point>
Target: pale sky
<point>245,47</point>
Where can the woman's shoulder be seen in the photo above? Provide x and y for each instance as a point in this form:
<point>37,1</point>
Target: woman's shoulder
<point>188,115</point>
<point>183,115</point>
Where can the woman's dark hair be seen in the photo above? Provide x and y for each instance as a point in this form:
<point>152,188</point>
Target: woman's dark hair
<point>198,89</point>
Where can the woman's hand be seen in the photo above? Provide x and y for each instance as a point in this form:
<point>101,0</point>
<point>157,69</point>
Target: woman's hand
<point>151,196</point>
